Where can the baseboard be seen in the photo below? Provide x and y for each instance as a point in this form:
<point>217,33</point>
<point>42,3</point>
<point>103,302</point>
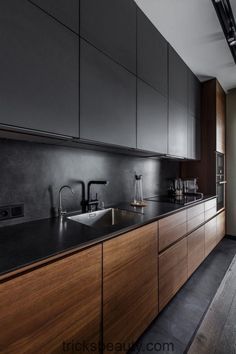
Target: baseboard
<point>230,237</point>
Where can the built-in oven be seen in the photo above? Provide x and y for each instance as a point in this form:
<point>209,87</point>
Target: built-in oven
<point>220,180</point>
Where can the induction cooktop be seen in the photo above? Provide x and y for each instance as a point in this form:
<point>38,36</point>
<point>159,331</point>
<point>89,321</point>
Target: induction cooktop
<point>184,199</point>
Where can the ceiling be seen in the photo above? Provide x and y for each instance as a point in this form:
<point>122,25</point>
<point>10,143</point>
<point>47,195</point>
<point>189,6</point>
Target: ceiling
<point>193,29</point>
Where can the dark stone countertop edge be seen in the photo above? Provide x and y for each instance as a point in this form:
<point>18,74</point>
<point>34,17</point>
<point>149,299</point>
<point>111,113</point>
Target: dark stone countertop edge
<point>12,272</point>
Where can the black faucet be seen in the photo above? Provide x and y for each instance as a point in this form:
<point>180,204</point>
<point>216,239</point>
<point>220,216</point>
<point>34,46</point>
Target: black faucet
<point>83,200</point>
<point>90,202</point>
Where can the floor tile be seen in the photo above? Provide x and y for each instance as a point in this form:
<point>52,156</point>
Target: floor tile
<point>177,323</point>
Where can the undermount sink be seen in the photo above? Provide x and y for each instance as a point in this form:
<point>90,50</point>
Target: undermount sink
<point>105,217</point>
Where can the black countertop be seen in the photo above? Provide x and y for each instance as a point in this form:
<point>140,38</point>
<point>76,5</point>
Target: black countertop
<point>25,244</point>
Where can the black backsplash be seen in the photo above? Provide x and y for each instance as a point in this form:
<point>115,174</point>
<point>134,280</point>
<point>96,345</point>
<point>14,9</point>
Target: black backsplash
<point>32,174</point>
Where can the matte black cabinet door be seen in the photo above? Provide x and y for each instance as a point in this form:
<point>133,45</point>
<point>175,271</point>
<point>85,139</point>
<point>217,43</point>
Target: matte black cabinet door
<point>178,78</point>
<point>39,70</point>
<point>194,99</point>
<point>110,25</point>
<point>152,119</point>
<point>178,123</point>
<point>107,99</point>
<point>194,137</point>
<point>152,54</point>
<point>66,11</point>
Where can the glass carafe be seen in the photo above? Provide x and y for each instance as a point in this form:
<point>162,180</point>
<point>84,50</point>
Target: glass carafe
<point>138,191</point>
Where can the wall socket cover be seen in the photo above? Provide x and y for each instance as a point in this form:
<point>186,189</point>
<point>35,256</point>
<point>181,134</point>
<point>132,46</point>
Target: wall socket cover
<point>11,211</point>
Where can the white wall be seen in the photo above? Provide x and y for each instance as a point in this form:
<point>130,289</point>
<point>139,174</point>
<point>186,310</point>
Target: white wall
<point>231,163</point>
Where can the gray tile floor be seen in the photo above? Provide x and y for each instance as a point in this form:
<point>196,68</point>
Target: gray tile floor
<point>176,325</point>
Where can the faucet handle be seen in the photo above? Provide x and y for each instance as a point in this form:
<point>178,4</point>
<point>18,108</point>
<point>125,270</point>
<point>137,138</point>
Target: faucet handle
<point>101,205</point>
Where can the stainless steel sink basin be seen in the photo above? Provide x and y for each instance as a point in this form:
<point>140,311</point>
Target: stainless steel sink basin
<point>104,218</point>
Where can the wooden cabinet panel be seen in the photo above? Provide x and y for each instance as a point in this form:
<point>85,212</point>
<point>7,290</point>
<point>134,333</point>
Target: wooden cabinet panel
<point>152,54</point>
<point>220,224</point>
<point>172,271</point>
<point>107,99</point>
<point>65,11</point>
<point>130,284</point>
<point>220,118</point>
<point>171,229</point>
<point>58,303</point>
<point>210,236</point>
<point>152,119</point>
<point>110,25</point>
<point>196,249</point>
<point>210,209</point>
<point>195,211</point>
<point>39,71</point>
<point>195,222</point>
<point>210,213</point>
<point>210,204</point>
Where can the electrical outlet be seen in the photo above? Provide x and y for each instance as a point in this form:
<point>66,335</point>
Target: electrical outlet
<point>11,211</point>
<point>4,213</point>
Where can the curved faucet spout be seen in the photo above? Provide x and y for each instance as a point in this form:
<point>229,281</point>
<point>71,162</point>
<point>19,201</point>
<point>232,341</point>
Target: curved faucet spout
<point>62,212</point>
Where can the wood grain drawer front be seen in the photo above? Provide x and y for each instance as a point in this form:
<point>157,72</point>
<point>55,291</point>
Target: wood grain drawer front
<point>210,204</point>
<point>210,236</point>
<point>196,249</point>
<point>171,229</point>
<point>60,302</point>
<point>220,222</point>
<point>210,213</point>
<point>195,211</point>
<point>172,271</point>
<point>195,222</point>
<point>130,284</point>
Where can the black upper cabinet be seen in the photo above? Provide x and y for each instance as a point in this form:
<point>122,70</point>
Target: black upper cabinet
<point>65,11</point>
<point>178,105</point>
<point>194,99</point>
<point>107,100</point>
<point>194,144</point>
<point>178,78</point>
<point>110,25</point>
<point>152,54</point>
<point>194,113</point>
<point>178,129</point>
<point>39,70</point>
<point>151,119</point>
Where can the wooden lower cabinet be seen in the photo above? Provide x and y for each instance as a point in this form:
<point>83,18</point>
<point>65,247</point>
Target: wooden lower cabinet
<point>172,228</point>
<point>210,236</point>
<point>173,271</point>
<point>196,249</point>
<point>130,286</point>
<point>210,209</point>
<point>52,308</point>
<point>220,226</point>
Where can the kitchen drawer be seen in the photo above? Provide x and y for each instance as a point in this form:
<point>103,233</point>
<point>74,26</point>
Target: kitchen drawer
<point>171,229</point>
<point>210,204</point>
<point>210,236</point>
<point>195,211</point>
<point>210,213</point>
<point>220,224</point>
<point>172,271</point>
<point>195,222</point>
<point>196,249</point>
<point>130,285</point>
<point>53,304</point>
